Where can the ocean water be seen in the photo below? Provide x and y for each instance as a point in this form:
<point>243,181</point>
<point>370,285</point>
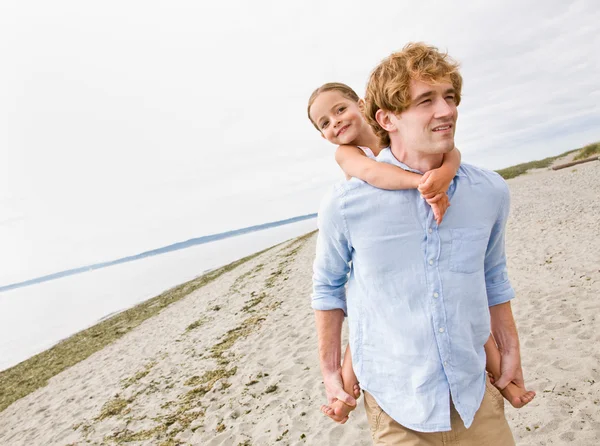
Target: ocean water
<point>34,318</point>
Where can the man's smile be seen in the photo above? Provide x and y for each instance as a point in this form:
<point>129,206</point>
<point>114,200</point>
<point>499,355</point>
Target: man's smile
<point>443,128</point>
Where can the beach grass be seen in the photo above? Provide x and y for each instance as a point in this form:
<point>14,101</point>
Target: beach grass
<point>34,373</point>
<point>520,169</point>
<point>587,151</point>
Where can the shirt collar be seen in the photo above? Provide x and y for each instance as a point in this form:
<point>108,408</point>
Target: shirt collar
<point>387,156</point>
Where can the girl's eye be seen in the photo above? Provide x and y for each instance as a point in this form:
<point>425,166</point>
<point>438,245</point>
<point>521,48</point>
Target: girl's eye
<point>341,109</point>
<point>324,124</point>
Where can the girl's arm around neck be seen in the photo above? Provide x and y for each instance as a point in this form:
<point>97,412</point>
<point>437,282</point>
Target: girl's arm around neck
<point>355,163</point>
<point>452,161</point>
<point>438,180</point>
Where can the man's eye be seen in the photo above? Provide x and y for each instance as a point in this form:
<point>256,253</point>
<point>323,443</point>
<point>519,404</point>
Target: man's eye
<point>450,97</point>
<point>426,101</point>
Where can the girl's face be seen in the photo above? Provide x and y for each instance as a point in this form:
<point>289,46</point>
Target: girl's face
<point>338,118</point>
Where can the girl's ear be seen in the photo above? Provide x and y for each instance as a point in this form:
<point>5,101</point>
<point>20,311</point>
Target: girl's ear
<point>361,105</point>
<point>383,119</point>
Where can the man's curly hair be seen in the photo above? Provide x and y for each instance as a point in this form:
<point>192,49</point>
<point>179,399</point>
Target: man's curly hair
<point>389,84</point>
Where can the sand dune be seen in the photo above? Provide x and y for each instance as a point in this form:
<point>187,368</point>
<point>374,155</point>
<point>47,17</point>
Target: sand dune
<point>235,362</point>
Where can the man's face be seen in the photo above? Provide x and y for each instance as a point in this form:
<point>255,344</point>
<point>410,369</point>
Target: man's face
<point>429,123</point>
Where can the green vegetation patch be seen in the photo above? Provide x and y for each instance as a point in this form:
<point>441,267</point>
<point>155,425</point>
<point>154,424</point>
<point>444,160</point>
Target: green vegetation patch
<point>168,427</point>
<point>240,282</point>
<point>212,376</point>
<point>208,379</point>
<point>113,407</point>
<point>197,324</point>
<point>588,151</point>
<point>231,337</point>
<point>139,375</point>
<point>288,257</point>
<point>298,243</point>
<point>270,282</point>
<point>520,169</point>
<point>127,436</point>
<point>30,375</point>
<point>253,302</point>
<point>285,432</point>
<point>193,381</point>
<point>271,389</point>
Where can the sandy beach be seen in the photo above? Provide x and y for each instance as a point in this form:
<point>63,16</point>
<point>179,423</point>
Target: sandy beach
<point>235,361</point>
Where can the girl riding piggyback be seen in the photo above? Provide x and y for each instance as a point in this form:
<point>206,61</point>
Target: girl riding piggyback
<point>336,112</point>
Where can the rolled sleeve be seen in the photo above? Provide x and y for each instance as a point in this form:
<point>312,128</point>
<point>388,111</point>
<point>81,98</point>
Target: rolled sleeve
<point>499,289</point>
<point>333,255</point>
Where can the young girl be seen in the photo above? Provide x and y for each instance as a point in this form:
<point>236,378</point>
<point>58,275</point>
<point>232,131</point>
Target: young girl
<point>336,112</point>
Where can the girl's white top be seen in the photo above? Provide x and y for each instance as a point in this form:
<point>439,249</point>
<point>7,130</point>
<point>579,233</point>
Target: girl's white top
<point>367,151</point>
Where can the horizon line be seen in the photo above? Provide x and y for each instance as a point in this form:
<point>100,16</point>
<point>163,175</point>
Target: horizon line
<point>157,251</point>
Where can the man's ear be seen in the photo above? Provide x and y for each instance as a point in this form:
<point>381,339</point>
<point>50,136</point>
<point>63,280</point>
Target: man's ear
<point>383,119</point>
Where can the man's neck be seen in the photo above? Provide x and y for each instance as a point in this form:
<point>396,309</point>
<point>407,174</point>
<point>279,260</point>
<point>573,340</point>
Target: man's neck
<point>417,160</point>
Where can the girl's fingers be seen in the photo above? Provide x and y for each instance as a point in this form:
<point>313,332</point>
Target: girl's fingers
<point>426,194</point>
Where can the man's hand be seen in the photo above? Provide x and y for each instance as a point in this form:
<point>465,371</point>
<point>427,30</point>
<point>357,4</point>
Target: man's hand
<point>510,369</point>
<point>334,390</point>
<point>505,333</point>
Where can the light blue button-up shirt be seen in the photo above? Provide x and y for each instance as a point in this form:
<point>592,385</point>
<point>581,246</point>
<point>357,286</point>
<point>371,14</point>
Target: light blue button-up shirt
<point>417,294</point>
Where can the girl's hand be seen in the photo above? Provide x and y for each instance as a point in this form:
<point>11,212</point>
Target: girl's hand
<point>434,182</point>
<point>439,205</point>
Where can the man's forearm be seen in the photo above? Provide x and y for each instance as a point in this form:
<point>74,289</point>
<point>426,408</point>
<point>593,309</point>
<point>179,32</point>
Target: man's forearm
<point>504,328</point>
<point>329,330</point>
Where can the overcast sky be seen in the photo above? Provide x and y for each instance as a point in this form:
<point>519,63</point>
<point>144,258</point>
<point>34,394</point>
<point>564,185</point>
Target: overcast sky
<point>130,125</point>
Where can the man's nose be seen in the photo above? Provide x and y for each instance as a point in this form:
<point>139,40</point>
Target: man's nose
<point>443,109</point>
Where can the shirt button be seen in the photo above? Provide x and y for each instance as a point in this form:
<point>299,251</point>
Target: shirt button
<point>445,363</point>
<point>430,230</point>
<point>431,262</point>
<point>441,329</point>
<point>436,295</point>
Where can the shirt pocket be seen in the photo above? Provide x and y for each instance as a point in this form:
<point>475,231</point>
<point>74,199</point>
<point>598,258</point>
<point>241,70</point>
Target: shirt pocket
<point>467,253</point>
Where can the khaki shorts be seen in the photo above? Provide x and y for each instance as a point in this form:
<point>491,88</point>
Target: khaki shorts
<point>489,427</point>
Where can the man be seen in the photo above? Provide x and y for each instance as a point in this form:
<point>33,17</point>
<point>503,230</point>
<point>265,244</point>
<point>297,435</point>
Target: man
<point>421,298</point>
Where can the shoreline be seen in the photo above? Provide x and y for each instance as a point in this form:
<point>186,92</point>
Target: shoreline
<point>111,327</point>
<point>35,318</point>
